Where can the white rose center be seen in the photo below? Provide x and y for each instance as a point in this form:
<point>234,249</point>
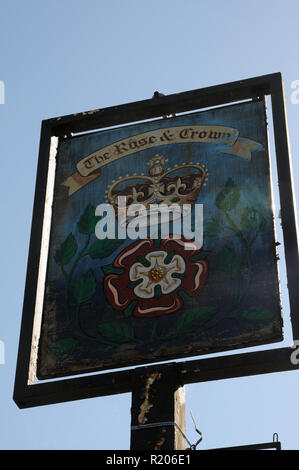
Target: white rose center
<point>161,267</point>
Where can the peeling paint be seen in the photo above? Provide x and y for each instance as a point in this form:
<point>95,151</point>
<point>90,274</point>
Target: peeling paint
<point>159,443</point>
<point>85,113</point>
<point>146,405</point>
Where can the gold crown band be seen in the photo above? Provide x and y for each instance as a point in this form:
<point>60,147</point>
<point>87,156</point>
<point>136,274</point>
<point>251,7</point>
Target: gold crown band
<point>159,186</point>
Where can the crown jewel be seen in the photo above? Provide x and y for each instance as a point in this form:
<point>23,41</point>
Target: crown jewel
<point>178,185</point>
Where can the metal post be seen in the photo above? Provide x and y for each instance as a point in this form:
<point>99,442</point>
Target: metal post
<point>158,411</point>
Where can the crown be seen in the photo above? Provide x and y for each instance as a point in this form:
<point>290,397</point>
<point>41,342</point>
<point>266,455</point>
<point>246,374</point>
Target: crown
<point>178,185</point>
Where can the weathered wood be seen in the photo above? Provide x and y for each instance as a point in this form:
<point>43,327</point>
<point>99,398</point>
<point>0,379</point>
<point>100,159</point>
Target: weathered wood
<point>24,353</point>
<point>287,201</point>
<point>193,371</point>
<point>158,411</point>
<point>163,105</point>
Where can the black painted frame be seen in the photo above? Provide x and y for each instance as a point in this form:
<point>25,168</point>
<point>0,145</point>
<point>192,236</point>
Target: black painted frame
<point>192,371</point>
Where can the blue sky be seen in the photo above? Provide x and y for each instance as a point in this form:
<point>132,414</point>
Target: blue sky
<point>63,57</point>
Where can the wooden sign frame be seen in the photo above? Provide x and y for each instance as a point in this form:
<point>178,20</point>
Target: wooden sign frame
<point>27,391</point>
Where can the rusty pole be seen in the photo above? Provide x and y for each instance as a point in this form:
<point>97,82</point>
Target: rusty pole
<point>158,411</point>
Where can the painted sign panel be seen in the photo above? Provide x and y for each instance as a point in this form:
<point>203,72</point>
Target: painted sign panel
<point>121,291</point>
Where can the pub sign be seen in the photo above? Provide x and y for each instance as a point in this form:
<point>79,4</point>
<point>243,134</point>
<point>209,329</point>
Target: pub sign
<point>125,286</point>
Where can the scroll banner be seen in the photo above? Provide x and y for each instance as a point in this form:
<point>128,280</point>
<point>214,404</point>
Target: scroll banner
<point>89,168</point>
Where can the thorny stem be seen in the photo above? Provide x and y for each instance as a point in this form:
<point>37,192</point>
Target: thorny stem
<point>154,330</point>
<point>66,295</point>
<point>236,229</point>
<point>78,329</point>
<point>248,276</point>
<point>68,278</point>
<point>247,248</point>
<point>80,255</point>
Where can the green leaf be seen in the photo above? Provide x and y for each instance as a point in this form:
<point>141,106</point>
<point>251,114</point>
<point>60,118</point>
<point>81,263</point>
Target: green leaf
<point>65,346</point>
<point>103,248</point>
<point>229,263</point>
<point>133,284</point>
<point>85,287</point>
<point>178,275</point>
<point>129,310</point>
<point>145,262</point>
<point>66,251</point>
<point>252,219</point>
<point>200,255</point>
<point>157,238</point>
<point>195,317</point>
<point>186,298</point>
<point>157,291</point>
<point>119,332</point>
<point>168,257</point>
<point>255,317</point>
<point>213,227</point>
<point>88,220</point>
<point>228,197</point>
<point>110,269</point>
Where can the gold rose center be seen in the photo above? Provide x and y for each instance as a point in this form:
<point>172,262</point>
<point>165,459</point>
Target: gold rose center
<point>157,273</point>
